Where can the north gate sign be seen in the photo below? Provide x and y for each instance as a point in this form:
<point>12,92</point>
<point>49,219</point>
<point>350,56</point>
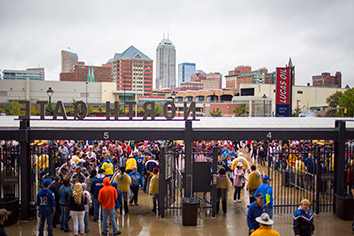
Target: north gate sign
<point>81,110</point>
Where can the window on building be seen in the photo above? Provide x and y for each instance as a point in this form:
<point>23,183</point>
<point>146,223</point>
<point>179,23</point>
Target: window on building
<point>300,92</point>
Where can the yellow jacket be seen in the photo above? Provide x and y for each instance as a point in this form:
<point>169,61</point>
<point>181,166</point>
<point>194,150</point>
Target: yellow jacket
<point>254,180</point>
<point>237,160</point>
<point>265,231</point>
<point>292,159</point>
<point>130,163</point>
<point>154,184</point>
<point>108,168</point>
<point>43,161</point>
<point>299,168</point>
<point>123,182</point>
<point>75,159</point>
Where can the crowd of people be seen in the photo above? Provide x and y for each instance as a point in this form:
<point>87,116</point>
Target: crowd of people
<point>105,177</point>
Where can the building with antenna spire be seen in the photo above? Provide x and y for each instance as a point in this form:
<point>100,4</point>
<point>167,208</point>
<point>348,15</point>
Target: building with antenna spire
<point>165,64</point>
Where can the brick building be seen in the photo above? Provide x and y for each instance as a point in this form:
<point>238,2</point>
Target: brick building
<point>80,73</point>
<point>326,80</point>
<point>133,70</point>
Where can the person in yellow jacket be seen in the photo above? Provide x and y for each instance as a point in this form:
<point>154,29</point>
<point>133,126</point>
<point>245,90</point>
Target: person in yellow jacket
<point>129,164</point>
<point>154,188</point>
<point>300,171</point>
<point>254,181</point>
<point>123,180</point>
<point>265,222</point>
<point>242,160</point>
<point>108,167</point>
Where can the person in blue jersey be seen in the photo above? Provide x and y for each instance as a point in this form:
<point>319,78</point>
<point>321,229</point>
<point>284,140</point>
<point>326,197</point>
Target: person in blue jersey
<point>256,209</point>
<point>140,163</point>
<point>137,181</point>
<point>46,203</point>
<point>96,185</point>
<point>303,220</point>
<point>267,191</point>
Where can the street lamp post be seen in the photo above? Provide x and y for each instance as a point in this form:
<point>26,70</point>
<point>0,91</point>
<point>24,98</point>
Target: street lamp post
<point>136,93</point>
<point>86,91</point>
<point>264,97</point>
<point>50,94</point>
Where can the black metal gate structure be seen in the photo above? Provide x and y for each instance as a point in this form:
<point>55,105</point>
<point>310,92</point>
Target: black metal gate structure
<point>26,131</point>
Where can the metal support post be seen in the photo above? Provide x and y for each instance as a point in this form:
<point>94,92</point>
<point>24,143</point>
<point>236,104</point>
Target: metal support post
<point>318,179</point>
<point>25,164</point>
<point>214,190</point>
<point>339,160</point>
<point>188,139</point>
<point>162,184</point>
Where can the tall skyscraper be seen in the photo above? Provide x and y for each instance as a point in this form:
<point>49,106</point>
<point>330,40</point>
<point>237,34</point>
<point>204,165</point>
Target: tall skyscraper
<point>132,70</point>
<point>68,60</point>
<point>165,65</point>
<point>185,72</point>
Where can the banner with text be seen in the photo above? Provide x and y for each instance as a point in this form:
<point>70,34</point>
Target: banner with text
<point>283,92</point>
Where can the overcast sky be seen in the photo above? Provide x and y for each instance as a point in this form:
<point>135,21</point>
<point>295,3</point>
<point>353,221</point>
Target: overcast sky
<point>216,35</point>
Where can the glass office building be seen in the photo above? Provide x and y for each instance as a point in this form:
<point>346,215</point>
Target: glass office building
<point>185,72</point>
<point>23,74</point>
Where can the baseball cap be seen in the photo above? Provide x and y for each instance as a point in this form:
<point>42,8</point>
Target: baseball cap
<point>266,178</point>
<point>260,195</point>
<point>47,182</point>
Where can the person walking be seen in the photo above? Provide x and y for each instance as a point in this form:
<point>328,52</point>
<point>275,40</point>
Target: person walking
<point>96,185</point>
<point>154,188</point>
<point>131,162</point>
<point>303,220</point>
<point>123,180</point>
<point>46,202</point>
<point>88,205</point>
<point>54,187</point>
<point>77,209</point>
<point>136,181</point>
<point>254,181</point>
<point>267,191</point>
<point>238,181</point>
<point>255,210</point>
<point>107,197</point>
<point>265,222</point>
<point>223,184</point>
<point>65,193</point>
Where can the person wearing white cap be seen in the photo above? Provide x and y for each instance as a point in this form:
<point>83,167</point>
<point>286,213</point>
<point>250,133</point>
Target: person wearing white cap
<point>265,222</point>
<point>239,181</point>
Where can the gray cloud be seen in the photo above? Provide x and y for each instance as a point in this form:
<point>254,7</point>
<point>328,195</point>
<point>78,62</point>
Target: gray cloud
<point>217,35</point>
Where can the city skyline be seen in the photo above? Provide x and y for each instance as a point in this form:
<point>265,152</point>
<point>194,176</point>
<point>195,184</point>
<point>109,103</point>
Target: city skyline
<point>219,38</point>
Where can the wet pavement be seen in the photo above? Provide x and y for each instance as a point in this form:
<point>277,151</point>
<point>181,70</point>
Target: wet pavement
<point>142,221</point>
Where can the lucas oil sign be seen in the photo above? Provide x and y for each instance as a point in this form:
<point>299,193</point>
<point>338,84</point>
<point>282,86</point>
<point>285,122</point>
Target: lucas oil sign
<point>283,92</point>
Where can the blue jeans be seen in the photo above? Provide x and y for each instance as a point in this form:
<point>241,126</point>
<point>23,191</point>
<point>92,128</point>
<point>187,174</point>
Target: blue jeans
<point>97,205</point>
<point>49,219</point>
<point>86,219</point>
<point>237,193</point>
<point>269,211</point>
<point>112,215</point>
<point>64,218</point>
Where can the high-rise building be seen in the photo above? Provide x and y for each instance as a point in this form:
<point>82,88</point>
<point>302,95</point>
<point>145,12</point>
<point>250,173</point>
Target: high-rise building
<point>132,70</point>
<point>165,65</point>
<point>185,72</point>
<point>32,74</point>
<point>326,80</point>
<point>245,75</point>
<point>80,72</point>
<point>68,60</point>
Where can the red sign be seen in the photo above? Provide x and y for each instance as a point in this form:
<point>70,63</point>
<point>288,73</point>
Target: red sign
<point>283,86</point>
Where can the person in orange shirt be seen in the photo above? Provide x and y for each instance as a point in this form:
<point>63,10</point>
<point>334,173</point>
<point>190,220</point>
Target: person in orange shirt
<point>107,197</point>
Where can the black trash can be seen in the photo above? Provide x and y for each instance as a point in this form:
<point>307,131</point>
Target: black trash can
<point>190,211</point>
<point>10,204</point>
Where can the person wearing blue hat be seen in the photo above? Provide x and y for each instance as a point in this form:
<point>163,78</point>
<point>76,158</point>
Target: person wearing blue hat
<point>267,191</point>
<point>46,203</point>
<point>256,209</point>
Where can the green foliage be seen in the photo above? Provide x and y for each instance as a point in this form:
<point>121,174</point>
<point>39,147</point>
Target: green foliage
<point>347,101</point>
<point>241,110</point>
<point>216,113</point>
<point>99,108</point>
<point>49,110</point>
<point>13,109</point>
<point>158,110</point>
<point>296,112</point>
<point>35,110</point>
<point>336,97</point>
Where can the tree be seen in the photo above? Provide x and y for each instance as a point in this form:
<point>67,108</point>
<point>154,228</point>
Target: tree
<point>333,100</point>
<point>216,113</point>
<point>13,109</point>
<point>296,112</point>
<point>347,101</point>
<point>158,110</point>
<point>241,110</point>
